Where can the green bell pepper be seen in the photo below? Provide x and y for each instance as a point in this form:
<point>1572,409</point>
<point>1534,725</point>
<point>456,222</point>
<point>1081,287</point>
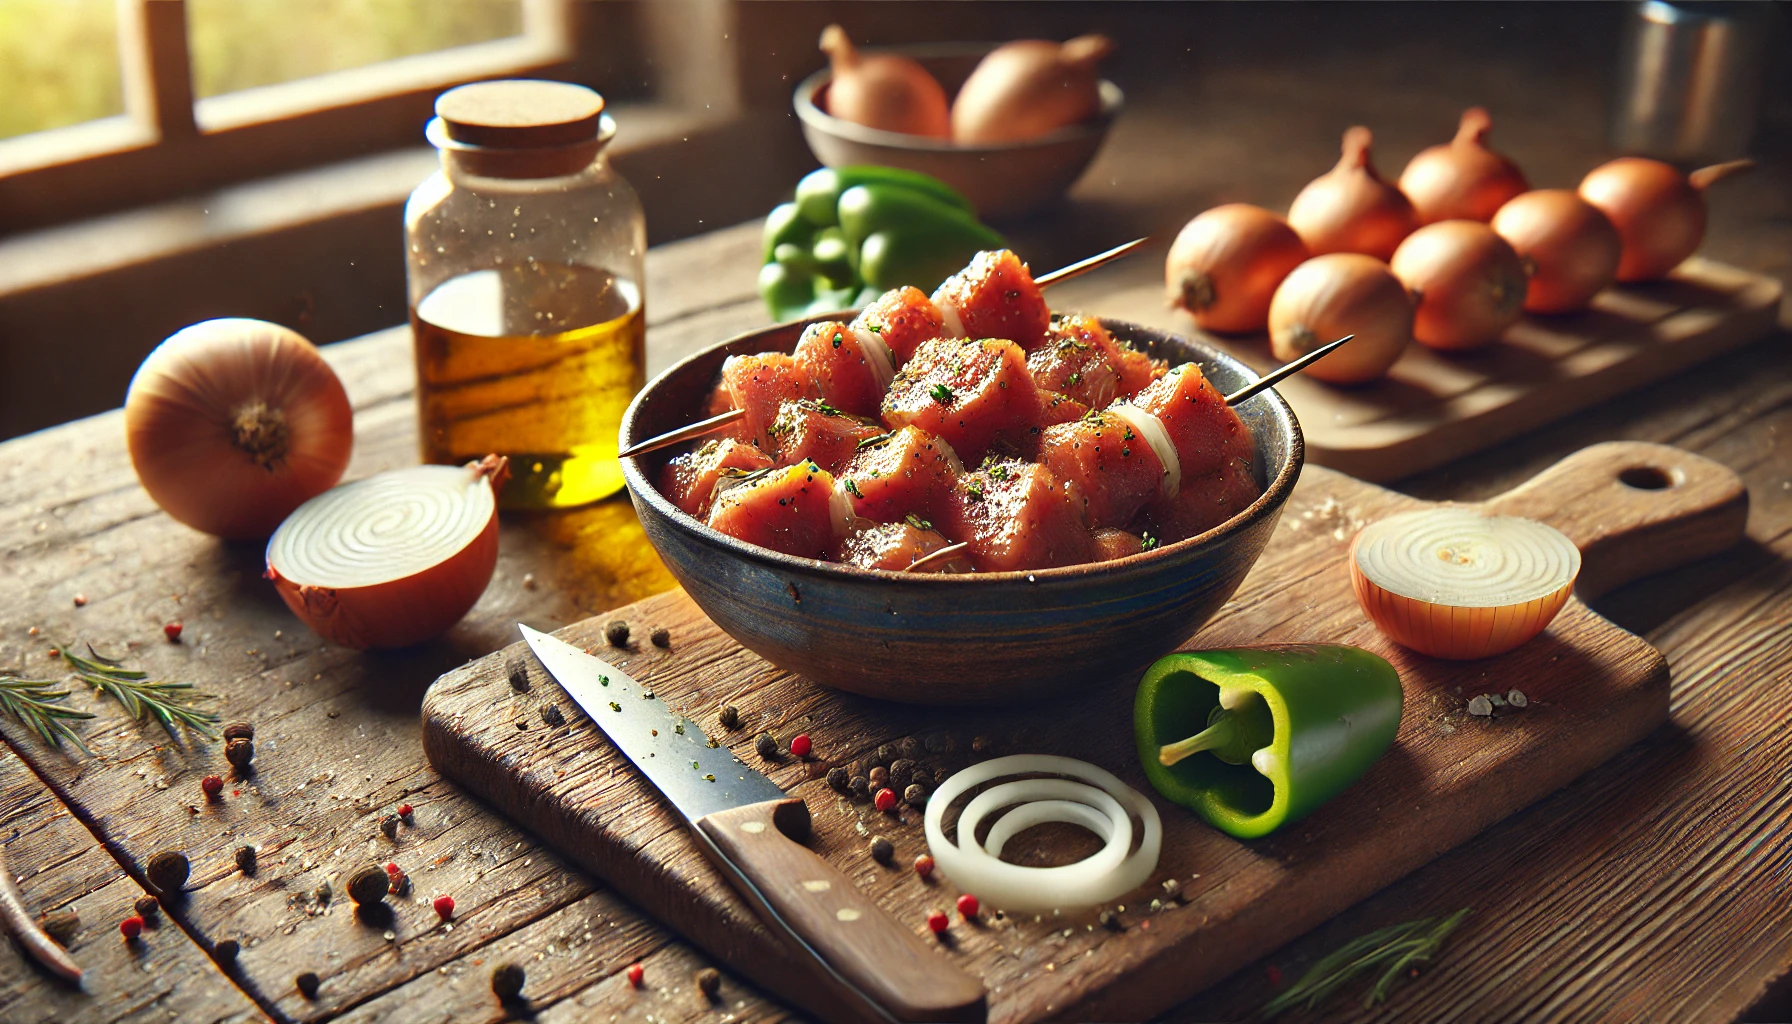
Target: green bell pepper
<point>923,241</point>
<point>818,194</point>
<point>1252,738</point>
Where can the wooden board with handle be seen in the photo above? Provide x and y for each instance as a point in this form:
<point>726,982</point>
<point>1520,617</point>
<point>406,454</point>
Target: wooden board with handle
<point>1593,689</point>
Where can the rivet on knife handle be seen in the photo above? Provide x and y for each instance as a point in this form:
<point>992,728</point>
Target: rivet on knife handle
<point>872,951</point>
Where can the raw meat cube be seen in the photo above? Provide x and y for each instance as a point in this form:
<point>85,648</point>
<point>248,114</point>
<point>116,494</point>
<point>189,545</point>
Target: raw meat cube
<point>995,297</point>
<point>1017,516</point>
<point>818,432</point>
<point>1202,503</point>
<point>1114,469</point>
<point>971,393</point>
<point>690,479</point>
<point>847,374</point>
<point>910,473</point>
<point>898,545</point>
<point>905,318</point>
<point>789,510</point>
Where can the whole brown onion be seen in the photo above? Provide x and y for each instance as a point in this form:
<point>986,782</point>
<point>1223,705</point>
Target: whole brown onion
<point>1342,293</point>
<point>1462,179</point>
<point>1569,248</point>
<point>1350,208</point>
<point>1658,211</point>
<point>1225,265</point>
<point>1028,88</point>
<point>883,91</point>
<point>1468,282</point>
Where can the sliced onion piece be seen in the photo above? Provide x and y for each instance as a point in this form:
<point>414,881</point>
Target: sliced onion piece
<point>394,559</point>
<point>952,325</point>
<point>840,507</point>
<point>1090,797</point>
<point>1152,430</point>
<point>1456,583</point>
<point>877,355</point>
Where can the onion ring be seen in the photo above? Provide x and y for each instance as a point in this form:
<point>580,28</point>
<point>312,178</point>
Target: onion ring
<point>1091,797</point>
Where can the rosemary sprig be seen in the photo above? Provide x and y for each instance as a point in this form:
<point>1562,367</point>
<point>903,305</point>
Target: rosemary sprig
<point>1392,949</point>
<point>36,704</point>
<point>168,703</point>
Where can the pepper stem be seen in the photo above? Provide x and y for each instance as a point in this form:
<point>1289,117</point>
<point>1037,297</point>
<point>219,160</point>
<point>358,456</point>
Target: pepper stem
<point>1217,734</point>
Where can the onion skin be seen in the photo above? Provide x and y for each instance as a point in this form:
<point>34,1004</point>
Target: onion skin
<point>405,611</point>
<point>1468,282</point>
<point>1462,179</point>
<point>1028,88</point>
<point>1342,293</point>
<point>1350,208</point>
<point>234,423</point>
<point>1569,248</point>
<point>1457,634</point>
<point>883,91</point>
<point>1658,211</point>
<point>1225,265</point>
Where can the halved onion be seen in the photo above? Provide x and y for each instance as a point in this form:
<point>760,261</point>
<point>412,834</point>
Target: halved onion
<point>1455,583</point>
<point>1090,797</point>
<point>394,559</point>
<point>1153,431</point>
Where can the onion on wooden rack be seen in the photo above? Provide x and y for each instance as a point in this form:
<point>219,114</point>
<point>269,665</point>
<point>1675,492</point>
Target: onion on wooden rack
<point>394,559</point>
<point>1090,797</point>
<point>1456,583</point>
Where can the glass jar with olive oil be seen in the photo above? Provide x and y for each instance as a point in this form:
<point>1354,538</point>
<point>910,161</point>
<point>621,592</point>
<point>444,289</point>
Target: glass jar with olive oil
<point>523,262</point>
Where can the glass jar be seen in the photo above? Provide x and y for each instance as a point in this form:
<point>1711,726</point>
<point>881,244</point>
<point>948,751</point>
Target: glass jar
<point>524,266</point>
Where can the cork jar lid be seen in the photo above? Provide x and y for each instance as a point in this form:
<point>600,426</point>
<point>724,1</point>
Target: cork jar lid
<point>520,114</point>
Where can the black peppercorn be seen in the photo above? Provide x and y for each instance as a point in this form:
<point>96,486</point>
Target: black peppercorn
<point>837,779</point>
<point>617,633</point>
<point>307,984</point>
<point>239,752</point>
<point>767,746</point>
<point>239,731</point>
<point>168,871</point>
<point>369,886</point>
<point>879,778</point>
<point>507,982</point>
<point>389,825</point>
<point>882,850</point>
<point>909,747</point>
<point>552,716</point>
<point>902,772</point>
<point>979,744</point>
<point>518,673</point>
<point>883,755</point>
<point>730,717</point>
<point>1109,920</point>
<point>940,776</point>
<point>709,982</point>
<point>662,638</point>
<point>226,952</point>
<point>915,795</point>
<point>860,786</point>
<point>245,859</point>
<point>148,906</point>
<point>940,743</point>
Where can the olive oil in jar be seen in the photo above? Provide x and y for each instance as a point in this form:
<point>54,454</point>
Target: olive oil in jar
<point>536,361</point>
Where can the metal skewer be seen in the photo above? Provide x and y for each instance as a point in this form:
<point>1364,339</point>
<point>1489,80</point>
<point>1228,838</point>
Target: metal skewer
<point>1286,370</point>
<point>930,560</point>
<point>691,431</point>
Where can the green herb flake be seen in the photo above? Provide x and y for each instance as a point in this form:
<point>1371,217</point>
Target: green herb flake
<point>615,706</point>
<point>712,744</point>
<point>853,489</point>
<point>1394,951</point>
<point>1149,542</point>
<point>605,680</point>
<point>869,441</point>
<point>838,338</point>
<point>709,778</point>
<point>695,766</point>
<point>917,522</point>
<point>941,394</point>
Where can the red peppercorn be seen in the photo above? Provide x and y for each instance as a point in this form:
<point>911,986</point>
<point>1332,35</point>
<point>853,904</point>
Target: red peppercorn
<point>393,870</point>
<point>212,785</point>
<point>924,865</point>
<point>635,973</point>
<point>967,906</point>
<point>444,907</point>
<point>405,810</point>
<point>800,745</point>
<point>131,927</point>
<point>936,921</point>
<point>172,632</point>
<point>885,799</point>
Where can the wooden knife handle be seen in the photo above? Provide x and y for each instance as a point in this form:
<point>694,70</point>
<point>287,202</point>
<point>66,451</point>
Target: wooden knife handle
<point>1633,509</point>
<point>884,959</point>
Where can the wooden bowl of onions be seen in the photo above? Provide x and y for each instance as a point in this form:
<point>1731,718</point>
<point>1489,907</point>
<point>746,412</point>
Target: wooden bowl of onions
<point>1001,180</point>
<point>975,638</point>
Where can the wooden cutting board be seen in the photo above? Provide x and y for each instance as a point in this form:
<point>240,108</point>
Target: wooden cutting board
<point>1593,688</point>
<point>1434,407</point>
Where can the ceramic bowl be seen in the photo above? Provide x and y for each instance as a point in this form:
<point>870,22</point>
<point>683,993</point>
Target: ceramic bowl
<point>1002,181</point>
<point>979,638</point>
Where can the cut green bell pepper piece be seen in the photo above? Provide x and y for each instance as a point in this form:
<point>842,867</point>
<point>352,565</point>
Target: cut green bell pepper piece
<point>1258,737</point>
<point>818,194</point>
<point>784,227</point>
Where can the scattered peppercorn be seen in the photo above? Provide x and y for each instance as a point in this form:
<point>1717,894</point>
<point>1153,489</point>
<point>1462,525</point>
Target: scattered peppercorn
<point>979,744</point>
<point>131,927</point>
<point>369,886</point>
<point>323,892</point>
<point>1517,699</point>
<point>924,866</point>
<point>405,811</point>
<point>709,982</point>
<point>635,973</point>
<point>968,906</point>
<point>552,716</point>
<point>172,632</point>
<point>148,906</point>
<point>730,717</point>
<point>937,921</point>
<point>880,777</point>
<point>940,743</point>
<point>767,746</point>
<point>915,795</point>
<point>662,638</point>
<point>245,859</point>
<point>909,747</point>
<point>212,785</point>
<point>882,850</point>
<point>168,871</point>
<point>397,882</point>
<point>61,926</point>
<point>518,674</point>
<point>884,754</point>
<point>389,825</point>
<point>800,744</point>
<point>860,786</point>
<point>507,982</point>
<point>307,983</point>
<point>1109,920</point>
<point>239,731</point>
<point>902,772</point>
<point>616,633</point>
<point>885,799</point>
<point>226,952</point>
<point>444,906</point>
<point>239,752</point>
<point>838,780</point>
<point>80,600</point>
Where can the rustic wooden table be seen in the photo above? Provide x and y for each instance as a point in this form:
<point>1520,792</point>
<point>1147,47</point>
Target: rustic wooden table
<point>1656,887</point>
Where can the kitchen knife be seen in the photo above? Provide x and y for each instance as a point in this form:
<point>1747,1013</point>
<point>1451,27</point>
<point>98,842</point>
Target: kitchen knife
<point>752,831</point>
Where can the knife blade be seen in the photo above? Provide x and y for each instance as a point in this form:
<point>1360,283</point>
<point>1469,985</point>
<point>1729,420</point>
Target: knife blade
<point>753,831</point>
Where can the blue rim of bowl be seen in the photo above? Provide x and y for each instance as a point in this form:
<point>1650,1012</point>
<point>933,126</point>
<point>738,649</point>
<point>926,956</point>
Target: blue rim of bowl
<point>812,115</point>
<point>1273,495</point>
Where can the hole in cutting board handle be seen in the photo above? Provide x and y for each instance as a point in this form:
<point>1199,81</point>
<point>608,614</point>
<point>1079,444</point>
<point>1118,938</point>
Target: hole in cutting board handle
<point>1647,478</point>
